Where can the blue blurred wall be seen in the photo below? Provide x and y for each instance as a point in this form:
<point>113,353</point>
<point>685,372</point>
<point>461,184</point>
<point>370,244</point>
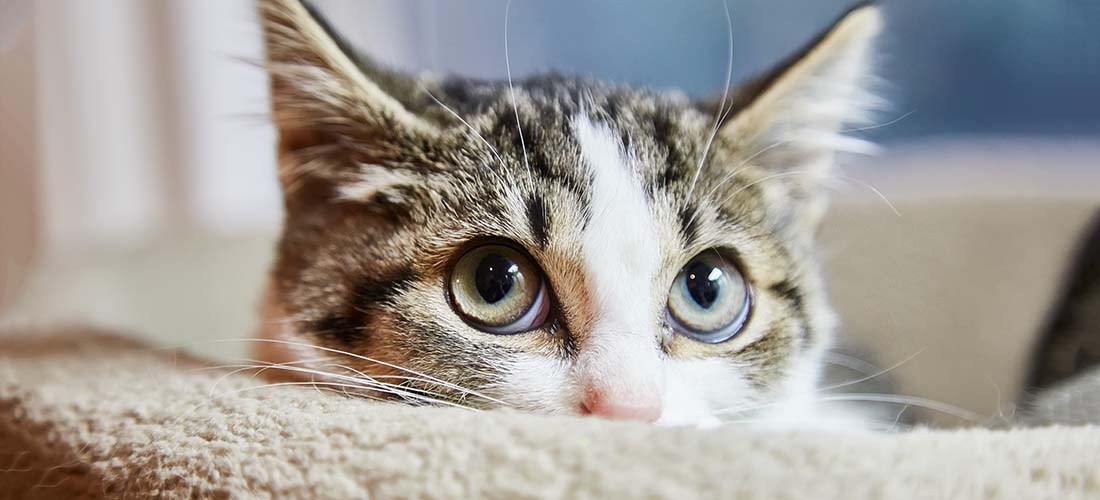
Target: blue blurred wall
<point>960,66</point>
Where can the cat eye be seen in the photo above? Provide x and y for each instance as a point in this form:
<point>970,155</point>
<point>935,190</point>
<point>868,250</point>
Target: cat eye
<point>498,289</point>
<point>709,301</point>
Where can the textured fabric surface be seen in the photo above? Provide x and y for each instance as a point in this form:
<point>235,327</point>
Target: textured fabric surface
<point>83,414</point>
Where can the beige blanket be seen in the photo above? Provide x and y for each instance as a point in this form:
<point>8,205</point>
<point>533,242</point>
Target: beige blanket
<point>89,415</point>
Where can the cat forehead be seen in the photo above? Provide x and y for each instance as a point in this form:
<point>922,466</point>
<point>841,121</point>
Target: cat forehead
<point>532,129</point>
<point>539,114</point>
<point>554,94</point>
<point>541,156</point>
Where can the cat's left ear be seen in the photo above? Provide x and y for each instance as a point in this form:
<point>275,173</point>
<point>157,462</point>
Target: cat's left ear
<point>338,116</point>
<point>790,121</point>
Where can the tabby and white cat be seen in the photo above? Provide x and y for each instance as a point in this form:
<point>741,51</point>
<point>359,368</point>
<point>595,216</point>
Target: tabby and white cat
<point>563,245</point>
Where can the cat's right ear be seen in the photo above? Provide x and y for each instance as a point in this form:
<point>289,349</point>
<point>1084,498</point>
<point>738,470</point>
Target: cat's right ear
<point>332,119</point>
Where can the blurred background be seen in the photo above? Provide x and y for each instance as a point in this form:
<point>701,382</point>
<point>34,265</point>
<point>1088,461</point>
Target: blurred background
<point>137,184</point>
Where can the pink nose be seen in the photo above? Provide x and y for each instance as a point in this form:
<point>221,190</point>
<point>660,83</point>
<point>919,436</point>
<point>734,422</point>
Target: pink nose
<point>607,405</point>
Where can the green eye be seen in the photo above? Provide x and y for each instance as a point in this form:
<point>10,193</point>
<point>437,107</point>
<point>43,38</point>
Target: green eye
<point>499,290</point>
<point>709,301</point>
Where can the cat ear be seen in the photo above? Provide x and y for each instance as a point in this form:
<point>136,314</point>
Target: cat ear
<point>335,120</point>
<point>790,120</point>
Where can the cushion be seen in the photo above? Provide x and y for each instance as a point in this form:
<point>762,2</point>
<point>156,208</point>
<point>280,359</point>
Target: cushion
<point>90,414</point>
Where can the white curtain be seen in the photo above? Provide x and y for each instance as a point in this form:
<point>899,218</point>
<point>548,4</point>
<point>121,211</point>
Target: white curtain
<point>137,183</point>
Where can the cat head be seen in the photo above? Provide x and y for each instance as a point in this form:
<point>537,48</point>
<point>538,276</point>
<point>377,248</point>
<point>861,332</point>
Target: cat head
<point>560,245</point>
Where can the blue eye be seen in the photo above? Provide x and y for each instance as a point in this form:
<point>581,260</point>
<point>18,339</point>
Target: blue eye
<point>497,289</point>
<point>709,301</point>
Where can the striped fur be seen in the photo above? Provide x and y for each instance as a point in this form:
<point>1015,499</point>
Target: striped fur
<point>387,179</point>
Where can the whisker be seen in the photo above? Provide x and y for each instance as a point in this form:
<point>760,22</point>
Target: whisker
<point>260,367</point>
<point>804,172</point>
<point>930,404</point>
<point>720,114</point>
<point>492,149</point>
<point>422,377</point>
<point>379,362</point>
<point>401,377</point>
<point>873,190</point>
<point>255,363</point>
<point>511,88</point>
<point>900,399</point>
<point>320,385</point>
<point>760,180</point>
<point>366,383</point>
<point>776,144</point>
<point>850,362</point>
<point>742,166</point>
<point>377,380</point>
<point>897,418</point>
<point>876,374</point>
<point>879,125</point>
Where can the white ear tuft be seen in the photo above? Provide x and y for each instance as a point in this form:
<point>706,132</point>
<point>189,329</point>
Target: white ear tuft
<point>806,101</point>
<point>790,123</point>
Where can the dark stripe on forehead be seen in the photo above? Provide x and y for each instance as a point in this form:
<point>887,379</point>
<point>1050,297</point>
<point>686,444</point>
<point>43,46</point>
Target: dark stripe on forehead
<point>538,220</point>
<point>689,230</point>
<point>665,135</point>
<point>347,324</point>
<point>543,142</point>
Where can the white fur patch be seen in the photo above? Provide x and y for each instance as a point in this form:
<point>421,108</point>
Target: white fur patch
<point>621,257</point>
<point>695,389</point>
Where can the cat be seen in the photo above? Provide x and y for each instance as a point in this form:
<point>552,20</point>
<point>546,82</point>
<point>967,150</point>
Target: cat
<point>557,245</point>
<point>1064,385</point>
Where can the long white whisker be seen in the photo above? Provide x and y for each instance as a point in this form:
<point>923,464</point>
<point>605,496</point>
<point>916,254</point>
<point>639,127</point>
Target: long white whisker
<point>900,399</point>
<point>879,125</point>
<point>367,382</point>
<point>876,374</point>
<point>720,114</point>
<point>897,418</point>
<point>873,190</point>
<point>774,145</point>
<point>762,179</point>
<point>463,390</point>
<point>255,363</point>
<point>378,380</point>
<point>930,404</point>
<point>500,160</point>
<point>736,170</point>
<point>803,172</point>
<point>511,88</point>
<point>379,362</point>
<point>241,368</point>
<point>850,362</point>
<point>349,386</point>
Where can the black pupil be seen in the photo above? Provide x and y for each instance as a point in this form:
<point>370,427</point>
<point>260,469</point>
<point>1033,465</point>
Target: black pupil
<point>495,276</point>
<point>704,282</point>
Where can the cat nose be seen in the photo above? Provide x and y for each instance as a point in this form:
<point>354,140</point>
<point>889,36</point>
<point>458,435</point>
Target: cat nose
<point>607,404</point>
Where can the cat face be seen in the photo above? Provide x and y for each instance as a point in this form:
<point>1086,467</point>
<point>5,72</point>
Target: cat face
<point>559,246</point>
